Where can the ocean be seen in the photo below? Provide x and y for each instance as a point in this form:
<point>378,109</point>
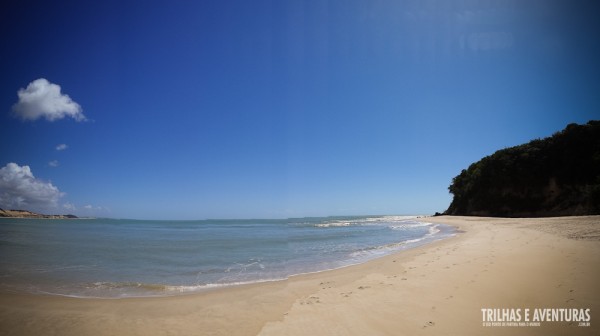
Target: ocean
<point>113,258</point>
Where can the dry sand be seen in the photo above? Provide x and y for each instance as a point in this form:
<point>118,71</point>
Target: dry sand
<point>438,289</point>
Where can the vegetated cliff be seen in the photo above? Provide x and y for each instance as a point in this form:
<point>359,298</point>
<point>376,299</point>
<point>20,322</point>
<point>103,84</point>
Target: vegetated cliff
<point>29,214</point>
<point>555,176</point>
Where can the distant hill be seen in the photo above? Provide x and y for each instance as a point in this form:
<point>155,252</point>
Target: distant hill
<point>555,176</point>
<point>29,214</point>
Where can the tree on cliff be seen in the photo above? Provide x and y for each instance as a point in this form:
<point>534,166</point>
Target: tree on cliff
<point>555,176</point>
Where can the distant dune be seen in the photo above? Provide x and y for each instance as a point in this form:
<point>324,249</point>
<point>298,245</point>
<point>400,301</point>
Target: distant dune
<point>29,214</point>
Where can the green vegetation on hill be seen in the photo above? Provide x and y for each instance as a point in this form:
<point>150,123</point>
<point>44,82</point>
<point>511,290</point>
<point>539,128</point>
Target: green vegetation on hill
<point>29,214</point>
<point>555,176</point>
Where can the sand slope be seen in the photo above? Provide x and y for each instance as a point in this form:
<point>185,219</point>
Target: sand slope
<point>496,263</point>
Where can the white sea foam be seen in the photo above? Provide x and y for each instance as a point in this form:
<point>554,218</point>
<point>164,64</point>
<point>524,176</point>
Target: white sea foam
<point>198,288</point>
<point>385,249</point>
<point>434,229</point>
<point>334,224</point>
<point>368,221</point>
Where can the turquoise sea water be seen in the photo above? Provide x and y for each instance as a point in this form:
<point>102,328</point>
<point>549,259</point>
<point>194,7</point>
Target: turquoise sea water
<point>124,258</point>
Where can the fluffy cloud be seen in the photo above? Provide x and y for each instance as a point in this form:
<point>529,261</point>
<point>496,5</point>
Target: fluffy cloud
<point>91,210</point>
<point>44,99</point>
<point>69,206</point>
<point>53,163</point>
<point>61,147</point>
<point>19,189</point>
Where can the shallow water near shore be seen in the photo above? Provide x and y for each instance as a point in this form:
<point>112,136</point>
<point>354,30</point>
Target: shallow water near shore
<point>112,258</point>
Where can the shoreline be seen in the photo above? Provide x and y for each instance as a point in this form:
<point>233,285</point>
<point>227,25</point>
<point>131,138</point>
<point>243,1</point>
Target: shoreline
<point>69,284</point>
<point>437,288</point>
<point>166,290</point>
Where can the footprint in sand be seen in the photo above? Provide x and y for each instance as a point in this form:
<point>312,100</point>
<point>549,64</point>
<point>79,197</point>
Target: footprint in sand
<point>324,285</point>
<point>311,300</point>
<point>429,324</point>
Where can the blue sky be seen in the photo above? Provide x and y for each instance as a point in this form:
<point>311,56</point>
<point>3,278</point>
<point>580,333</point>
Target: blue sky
<point>274,109</point>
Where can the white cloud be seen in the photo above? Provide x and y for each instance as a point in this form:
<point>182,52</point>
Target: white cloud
<point>85,210</point>
<point>95,208</point>
<point>44,99</point>
<point>61,147</point>
<point>92,210</point>
<point>69,206</point>
<point>19,189</point>
<point>53,163</point>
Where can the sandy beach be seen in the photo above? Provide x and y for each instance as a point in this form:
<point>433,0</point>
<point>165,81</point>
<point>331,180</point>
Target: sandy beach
<point>437,289</point>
